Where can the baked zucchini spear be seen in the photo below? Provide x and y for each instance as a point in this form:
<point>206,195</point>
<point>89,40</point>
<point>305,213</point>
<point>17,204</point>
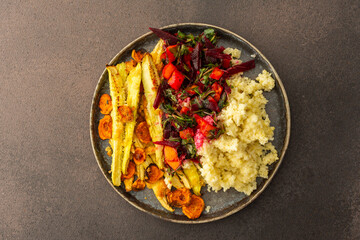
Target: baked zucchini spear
<point>160,190</point>
<point>117,78</point>
<point>156,55</point>
<point>133,82</point>
<point>151,82</point>
<point>194,177</point>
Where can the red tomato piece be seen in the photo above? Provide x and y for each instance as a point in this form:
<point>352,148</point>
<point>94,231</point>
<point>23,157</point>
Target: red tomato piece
<point>216,73</point>
<point>218,90</point>
<point>168,70</point>
<point>187,133</point>
<point>176,79</point>
<point>170,52</point>
<point>204,126</point>
<point>184,110</point>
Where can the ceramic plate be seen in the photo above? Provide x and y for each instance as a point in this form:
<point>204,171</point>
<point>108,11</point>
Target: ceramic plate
<point>222,203</point>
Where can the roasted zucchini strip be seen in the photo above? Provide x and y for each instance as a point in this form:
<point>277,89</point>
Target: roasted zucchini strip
<point>133,89</point>
<point>151,82</point>
<point>194,178</point>
<point>156,54</point>
<point>160,190</point>
<point>183,178</point>
<point>117,78</point>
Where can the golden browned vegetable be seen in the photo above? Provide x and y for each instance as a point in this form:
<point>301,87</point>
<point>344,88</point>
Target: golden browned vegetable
<point>179,197</point>
<point>153,173</point>
<point>128,182</point>
<point>130,171</point>
<point>105,104</point>
<point>138,185</point>
<point>126,114</point>
<point>151,82</point>
<point>139,156</point>
<point>105,127</point>
<point>117,80</point>
<point>130,65</point>
<point>160,190</point>
<point>137,56</point>
<point>142,132</point>
<point>195,208</point>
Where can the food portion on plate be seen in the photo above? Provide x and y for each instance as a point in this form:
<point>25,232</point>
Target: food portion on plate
<point>184,116</point>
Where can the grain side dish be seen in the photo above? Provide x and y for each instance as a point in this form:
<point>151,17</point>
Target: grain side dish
<point>242,153</point>
<point>184,116</point>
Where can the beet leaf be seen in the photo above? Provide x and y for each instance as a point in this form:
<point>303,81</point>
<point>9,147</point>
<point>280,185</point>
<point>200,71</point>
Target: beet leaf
<point>168,143</point>
<point>171,39</point>
<point>245,66</point>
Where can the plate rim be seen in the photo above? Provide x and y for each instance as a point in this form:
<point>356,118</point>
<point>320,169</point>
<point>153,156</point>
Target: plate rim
<point>251,198</point>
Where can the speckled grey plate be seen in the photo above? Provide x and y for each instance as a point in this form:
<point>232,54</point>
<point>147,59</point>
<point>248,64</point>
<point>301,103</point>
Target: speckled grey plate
<point>222,204</point>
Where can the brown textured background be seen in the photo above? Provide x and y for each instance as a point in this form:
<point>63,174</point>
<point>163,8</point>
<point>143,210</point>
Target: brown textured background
<point>51,55</point>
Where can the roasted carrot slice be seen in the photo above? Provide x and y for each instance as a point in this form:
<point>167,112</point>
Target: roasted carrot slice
<point>153,173</point>
<point>105,104</point>
<point>142,132</point>
<point>179,197</point>
<point>126,113</point>
<point>137,55</point>
<point>105,127</point>
<point>138,185</point>
<point>130,65</point>
<point>195,208</point>
<point>139,156</point>
<point>130,171</point>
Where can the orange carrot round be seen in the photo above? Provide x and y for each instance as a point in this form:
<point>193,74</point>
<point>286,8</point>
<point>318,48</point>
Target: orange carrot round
<point>130,171</point>
<point>137,56</point>
<point>139,156</point>
<point>195,208</point>
<point>105,127</point>
<point>126,113</point>
<point>153,173</point>
<point>142,132</point>
<point>179,197</point>
<point>138,185</point>
<point>105,104</point>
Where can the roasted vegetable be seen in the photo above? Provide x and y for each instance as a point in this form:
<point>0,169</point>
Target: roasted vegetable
<point>137,55</point>
<point>117,78</point>
<point>194,177</point>
<point>128,182</point>
<point>105,127</point>
<point>138,185</point>
<point>132,101</point>
<point>195,208</point>
<point>153,173</point>
<point>179,197</point>
<point>151,83</point>
<point>130,171</point>
<point>126,114</point>
<point>143,166</point>
<point>156,54</point>
<point>139,156</point>
<point>171,157</point>
<point>176,182</point>
<point>105,104</point>
<point>160,190</point>
<point>184,179</point>
<point>142,132</point>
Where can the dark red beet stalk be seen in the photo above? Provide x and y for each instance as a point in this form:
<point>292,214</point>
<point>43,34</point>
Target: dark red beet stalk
<point>215,53</point>
<point>158,97</point>
<point>168,143</point>
<point>208,44</point>
<point>195,56</point>
<point>245,66</point>
<point>165,36</point>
